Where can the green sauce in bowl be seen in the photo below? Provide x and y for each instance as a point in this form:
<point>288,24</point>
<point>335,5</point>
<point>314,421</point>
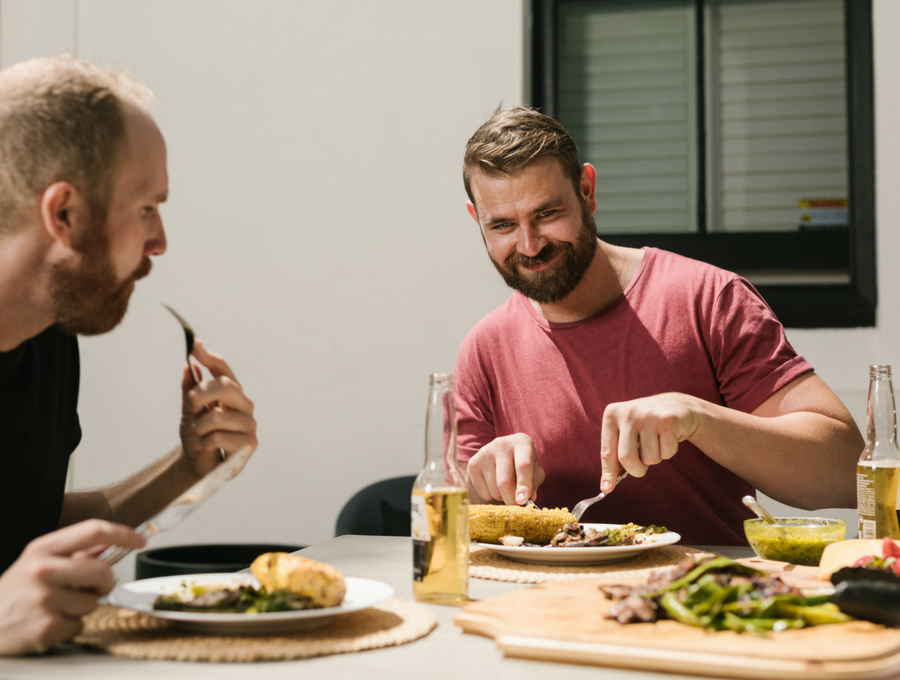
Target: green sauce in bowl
<point>798,540</point>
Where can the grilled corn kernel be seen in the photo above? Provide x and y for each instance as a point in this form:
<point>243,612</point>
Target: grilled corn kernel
<point>320,582</point>
<point>489,523</point>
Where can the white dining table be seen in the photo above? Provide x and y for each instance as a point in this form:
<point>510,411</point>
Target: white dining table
<point>446,652</point>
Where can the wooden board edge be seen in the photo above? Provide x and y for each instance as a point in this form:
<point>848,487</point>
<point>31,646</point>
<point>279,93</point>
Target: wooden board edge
<point>479,624</point>
<point>693,663</point>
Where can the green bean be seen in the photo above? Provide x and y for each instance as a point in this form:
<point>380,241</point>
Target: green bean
<point>769,607</point>
<point>755,625</point>
<point>816,615</point>
<point>699,592</point>
<point>712,604</point>
<point>678,611</point>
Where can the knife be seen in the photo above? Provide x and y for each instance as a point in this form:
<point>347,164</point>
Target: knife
<point>185,504</point>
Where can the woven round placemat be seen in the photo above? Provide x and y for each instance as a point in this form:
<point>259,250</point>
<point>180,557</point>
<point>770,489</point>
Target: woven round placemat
<point>492,566</point>
<point>130,634</point>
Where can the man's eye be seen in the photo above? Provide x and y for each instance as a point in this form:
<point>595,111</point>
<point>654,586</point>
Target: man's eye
<point>501,225</point>
<point>547,213</point>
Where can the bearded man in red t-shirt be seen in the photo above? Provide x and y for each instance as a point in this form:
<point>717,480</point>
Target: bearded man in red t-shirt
<point>608,358</point>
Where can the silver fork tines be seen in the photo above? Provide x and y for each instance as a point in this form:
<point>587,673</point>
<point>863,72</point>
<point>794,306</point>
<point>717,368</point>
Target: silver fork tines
<point>579,509</point>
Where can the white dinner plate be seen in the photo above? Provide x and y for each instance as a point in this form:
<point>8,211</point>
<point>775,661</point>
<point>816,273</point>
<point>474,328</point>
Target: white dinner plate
<point>362,593</point>
<point>594,555</point>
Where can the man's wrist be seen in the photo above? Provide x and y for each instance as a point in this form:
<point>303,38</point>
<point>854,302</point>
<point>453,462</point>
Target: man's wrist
<point>186,466</point>
<point>701,413</point>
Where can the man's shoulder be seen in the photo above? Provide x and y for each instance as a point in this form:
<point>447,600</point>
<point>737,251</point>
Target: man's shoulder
<point>677,274</point>
<point>673,264</point>
<point>49,341</point>
<point>512,311</point>
<point>505,321</point>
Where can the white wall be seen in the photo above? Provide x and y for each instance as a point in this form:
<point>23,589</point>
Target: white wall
<point>318,237</point>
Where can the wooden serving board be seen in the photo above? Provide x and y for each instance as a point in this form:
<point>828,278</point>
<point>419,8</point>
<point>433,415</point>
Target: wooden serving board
<point>563,621</point>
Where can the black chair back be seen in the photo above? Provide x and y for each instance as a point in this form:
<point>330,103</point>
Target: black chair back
<point>380,509</point>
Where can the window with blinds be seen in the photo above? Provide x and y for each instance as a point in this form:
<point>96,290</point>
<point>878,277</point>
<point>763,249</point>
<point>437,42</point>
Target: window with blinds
<point>738,132</point>
<point>777,115</point>
<point>627,93</point>
<point>775,112</point>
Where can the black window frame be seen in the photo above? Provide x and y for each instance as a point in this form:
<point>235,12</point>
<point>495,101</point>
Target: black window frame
<point>852,249</point>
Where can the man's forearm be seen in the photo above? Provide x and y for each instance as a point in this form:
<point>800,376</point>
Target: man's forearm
<point>135,499</point>
<point>803,459</point>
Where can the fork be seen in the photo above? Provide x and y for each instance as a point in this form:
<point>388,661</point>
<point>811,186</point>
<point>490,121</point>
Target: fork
<point>579,509</point>
<point>189,341</point>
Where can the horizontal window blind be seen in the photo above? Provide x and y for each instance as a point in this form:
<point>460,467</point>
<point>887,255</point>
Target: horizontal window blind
<point>627,92</point>
<point>777,115</point>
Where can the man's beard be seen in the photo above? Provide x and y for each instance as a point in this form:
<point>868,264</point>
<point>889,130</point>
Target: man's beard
<point>88,298</point>
<point>556,282</point>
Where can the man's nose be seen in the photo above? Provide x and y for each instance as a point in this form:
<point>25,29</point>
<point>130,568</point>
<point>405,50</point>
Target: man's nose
<point>530,240</point>
<point>156,243</point>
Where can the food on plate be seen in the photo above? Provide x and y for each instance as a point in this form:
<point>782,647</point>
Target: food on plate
<point>579,536</point>
<point>288,582</point>
<point>512,541</point>
<point>717,593</point>
<point>321,583</point>
<point>229,599</point>
<point>529,526</point>
<point>847,553</point>
<point>490,523</point>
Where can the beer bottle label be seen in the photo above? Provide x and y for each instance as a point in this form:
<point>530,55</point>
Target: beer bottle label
<point>865,502</point>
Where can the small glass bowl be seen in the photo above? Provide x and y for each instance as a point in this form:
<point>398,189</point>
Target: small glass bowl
<point>798,540</point>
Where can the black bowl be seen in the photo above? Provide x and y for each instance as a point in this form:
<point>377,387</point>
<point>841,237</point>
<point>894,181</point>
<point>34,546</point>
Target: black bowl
<point>202,559</point>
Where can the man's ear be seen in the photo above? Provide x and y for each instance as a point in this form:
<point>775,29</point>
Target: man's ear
<point>63,213</point>
<point>474,213</point>
<point>589,186</point>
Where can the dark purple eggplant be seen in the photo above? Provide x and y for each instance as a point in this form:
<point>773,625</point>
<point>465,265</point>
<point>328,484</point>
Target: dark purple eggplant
<point>871,600</point>
<point>864,574</point>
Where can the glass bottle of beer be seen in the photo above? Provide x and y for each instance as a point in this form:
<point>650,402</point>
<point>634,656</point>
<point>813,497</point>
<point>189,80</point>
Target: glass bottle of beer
<point>440,506</point>
<point>878,472</point>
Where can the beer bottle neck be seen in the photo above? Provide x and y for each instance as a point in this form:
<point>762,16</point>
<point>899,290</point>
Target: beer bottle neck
<point>881,416</point>
<point>440,432</point>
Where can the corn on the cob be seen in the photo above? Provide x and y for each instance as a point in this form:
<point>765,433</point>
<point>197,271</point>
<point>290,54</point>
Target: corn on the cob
<point>320,582</point>
<point>489,523</point>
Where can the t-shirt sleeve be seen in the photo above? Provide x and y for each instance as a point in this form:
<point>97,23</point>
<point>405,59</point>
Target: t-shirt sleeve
<point>473,396</point>
<point>750,351</point>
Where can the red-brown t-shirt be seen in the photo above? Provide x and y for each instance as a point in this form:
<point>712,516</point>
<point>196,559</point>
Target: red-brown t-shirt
<point>680,326</point>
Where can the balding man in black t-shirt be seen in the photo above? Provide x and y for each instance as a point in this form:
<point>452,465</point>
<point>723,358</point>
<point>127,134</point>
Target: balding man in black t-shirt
<point>82,176</point>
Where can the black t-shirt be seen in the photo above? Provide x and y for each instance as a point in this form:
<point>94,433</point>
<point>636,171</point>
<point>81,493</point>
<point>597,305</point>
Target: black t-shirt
<point>39,429</point>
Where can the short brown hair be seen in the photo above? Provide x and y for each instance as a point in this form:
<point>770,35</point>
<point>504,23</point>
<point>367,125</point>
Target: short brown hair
<point>515,138</point>
<point>61,120</point>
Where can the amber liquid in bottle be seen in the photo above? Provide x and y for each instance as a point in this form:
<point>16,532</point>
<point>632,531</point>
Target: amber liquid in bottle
<point>440,507</point>
<point>441,560</point>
